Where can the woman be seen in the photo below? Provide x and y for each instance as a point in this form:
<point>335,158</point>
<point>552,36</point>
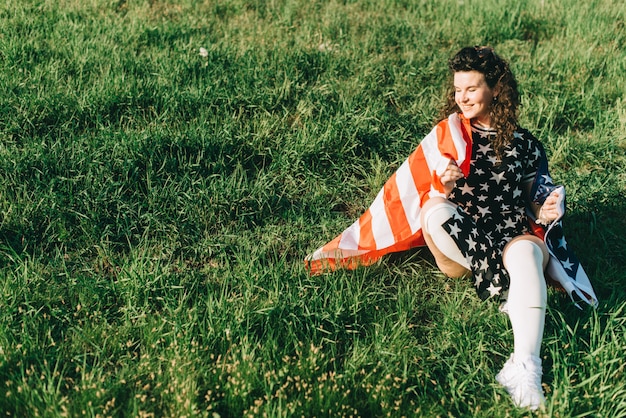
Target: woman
<point>468,192</point>
<point>491,200</point>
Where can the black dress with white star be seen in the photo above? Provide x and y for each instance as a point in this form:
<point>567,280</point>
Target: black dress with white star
<point>491,206</point>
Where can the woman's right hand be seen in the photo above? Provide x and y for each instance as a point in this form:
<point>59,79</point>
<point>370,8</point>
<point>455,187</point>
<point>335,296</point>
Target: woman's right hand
<point>449,177</point>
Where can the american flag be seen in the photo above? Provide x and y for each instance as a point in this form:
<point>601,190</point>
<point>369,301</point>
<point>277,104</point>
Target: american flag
<point>392,222</point>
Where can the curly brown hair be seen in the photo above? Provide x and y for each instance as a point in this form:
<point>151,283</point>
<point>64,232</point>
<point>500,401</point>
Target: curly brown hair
<point>498,75</point>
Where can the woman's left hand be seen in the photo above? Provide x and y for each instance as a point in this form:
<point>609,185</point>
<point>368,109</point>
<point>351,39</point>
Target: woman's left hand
<point>551,209</point>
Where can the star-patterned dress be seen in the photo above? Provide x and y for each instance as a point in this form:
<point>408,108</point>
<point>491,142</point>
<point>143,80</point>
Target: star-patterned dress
<point>492,203</point>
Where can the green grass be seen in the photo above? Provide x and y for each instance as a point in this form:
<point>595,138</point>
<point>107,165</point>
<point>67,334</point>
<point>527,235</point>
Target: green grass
<point>156,206</point>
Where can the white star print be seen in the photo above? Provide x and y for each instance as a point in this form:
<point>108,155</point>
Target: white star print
<point>493,290</point>
<point>483,211</point>
<point>498,177</point>
<point>484,149</point>
<point>567,264</point>
<point>454,230</point>
<point>466,189</point>
<point>496,277</point>
<point>484,264</point>
<point>493,160</point>
<point>508,223</point>
<point>477,280</point>
<point>546,178</point>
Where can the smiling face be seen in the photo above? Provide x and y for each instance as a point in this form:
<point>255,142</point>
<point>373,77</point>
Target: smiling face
<point>473,96</point>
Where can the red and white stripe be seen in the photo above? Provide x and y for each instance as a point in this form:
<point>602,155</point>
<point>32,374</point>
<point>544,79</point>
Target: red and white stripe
<point>392,222</point>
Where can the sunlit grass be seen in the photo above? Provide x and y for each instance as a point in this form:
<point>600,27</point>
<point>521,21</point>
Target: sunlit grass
<point>157,200</point>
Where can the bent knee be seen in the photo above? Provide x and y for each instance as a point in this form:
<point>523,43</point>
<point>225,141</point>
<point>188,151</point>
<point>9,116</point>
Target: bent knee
<point>529,247</point>
<point>435,201</point>
<point>436,209</point>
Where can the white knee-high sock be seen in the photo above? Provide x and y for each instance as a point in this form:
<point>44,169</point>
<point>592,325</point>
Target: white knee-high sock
<point>433,219</point>
<point>527,297</point>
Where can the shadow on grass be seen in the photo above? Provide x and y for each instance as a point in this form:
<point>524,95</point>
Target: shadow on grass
<point>596,232</point>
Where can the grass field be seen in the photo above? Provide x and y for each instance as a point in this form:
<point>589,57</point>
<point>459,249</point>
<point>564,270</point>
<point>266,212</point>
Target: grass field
<point>165,166</point>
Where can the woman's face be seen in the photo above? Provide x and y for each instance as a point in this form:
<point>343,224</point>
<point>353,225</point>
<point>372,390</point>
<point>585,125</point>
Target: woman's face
<point>473,96</point>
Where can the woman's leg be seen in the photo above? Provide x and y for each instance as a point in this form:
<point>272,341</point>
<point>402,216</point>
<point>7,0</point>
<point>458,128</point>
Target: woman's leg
<point>525,259</point>
<point>447,255</point>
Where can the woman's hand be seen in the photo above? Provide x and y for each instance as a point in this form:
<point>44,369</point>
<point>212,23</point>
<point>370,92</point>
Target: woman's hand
<point>450,176</point>
<point>551,209</point>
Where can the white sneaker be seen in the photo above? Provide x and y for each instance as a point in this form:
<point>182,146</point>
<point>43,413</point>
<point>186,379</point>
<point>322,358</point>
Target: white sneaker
<point>522,380</point>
